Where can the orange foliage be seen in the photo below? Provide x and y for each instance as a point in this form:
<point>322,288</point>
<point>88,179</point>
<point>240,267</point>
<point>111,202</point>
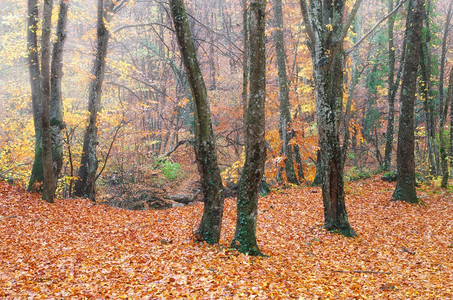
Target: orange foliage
<point>74,249</point>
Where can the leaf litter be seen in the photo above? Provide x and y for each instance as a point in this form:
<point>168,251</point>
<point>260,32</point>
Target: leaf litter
<point>75,249</point>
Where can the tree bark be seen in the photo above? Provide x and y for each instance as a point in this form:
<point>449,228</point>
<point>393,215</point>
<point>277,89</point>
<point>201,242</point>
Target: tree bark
<point>255,147</point>
<point>245,63</point>
<point>443,142</point>
<point>56,102</point>
<point>85,185</point>
<point>36,178</point>
<point>405,185</point>
<point>326,31</point>
<point>443,106</point>
<point>392,86</point>
<point>283,95</point>
<point>49,185</point>
<point>205,149</point>
<point>427,91</point>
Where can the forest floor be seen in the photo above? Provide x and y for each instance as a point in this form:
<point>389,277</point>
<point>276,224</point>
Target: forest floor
<point>74,249</point>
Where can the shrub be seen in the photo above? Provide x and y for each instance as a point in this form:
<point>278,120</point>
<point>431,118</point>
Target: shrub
<point>170,169</point>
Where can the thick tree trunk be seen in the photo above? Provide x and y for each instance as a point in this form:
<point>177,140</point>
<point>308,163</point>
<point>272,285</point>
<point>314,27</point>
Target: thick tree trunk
<point>255,147</point>
<point>49,186</point>
<point>85,185</point>
<point>205,149</point>
<point>326,32</point>
<point>283,95</point>
<point>36,178</point>
<point>405,185</point>
<point>56,102</point>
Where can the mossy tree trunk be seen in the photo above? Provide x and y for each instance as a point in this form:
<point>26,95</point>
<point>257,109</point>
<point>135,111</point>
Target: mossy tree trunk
<point>405,182</point>
<point>443,142</point>
<point>255,148</point>
<point>205,149</point>
<point>40,83</point>
<point>326,30</point>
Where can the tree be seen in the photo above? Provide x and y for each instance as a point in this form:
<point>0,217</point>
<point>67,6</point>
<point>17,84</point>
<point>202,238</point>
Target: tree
<point>85,185</point>
<point>444,103</point>
<point>283,95</point>
<point>46,94</point>
<point>443,142</point>
<point>205,149</point>
<point>405,185</point>
<point>36,177</point>
<point>49,186</point>
<point>255,145</point>
<point>326,32</point>
<point>56,101</point>
<point>392,88</point>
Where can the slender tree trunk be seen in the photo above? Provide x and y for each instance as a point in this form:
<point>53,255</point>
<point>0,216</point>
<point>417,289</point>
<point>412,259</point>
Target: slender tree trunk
<point>352,86</point>
<point>49,186</point>
<point>205,149</point>
<point>56,102</point>
<point>245,63</point>
<point>283,95</point>
<point>392,87</point>
<point>425,65</point>
<point>443,142</point>
<point>443,106</point>
<point>36,178</point>
<point>85,185</point>
<point>405,185</point>
<point>255,147</point>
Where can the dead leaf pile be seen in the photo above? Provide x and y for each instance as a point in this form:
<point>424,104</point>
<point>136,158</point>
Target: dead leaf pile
<point>75,249</point>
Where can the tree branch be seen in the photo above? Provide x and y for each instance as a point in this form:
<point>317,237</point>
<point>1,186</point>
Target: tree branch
<point>351,17</point>
<point>307,20</point>
<point>353,47</point>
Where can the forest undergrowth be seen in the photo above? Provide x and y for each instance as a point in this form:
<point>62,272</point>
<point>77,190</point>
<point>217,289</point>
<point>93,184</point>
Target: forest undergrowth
<point>75,249</point>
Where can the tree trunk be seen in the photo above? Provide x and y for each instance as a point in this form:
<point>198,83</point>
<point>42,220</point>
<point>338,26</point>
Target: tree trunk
<point>392,87</point>
<point>425,66</point>
<point>56,102</point>
<point>255,147</point>
<point>36,178</point>
<point>205,149</point>
<point>443,106</point>
<point>49,186</point>
<point>352,86</point>
<point>245,64</point>
<point>326,32</point>
<point>405,185</point>
<point>85,185</point>
<point>283,95</point>
<point>443,142</point>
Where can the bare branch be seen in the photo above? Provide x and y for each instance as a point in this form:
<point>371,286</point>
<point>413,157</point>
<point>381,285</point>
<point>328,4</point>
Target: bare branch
<point>353,47</point>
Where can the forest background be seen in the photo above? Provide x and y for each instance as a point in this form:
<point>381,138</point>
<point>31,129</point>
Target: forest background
<point>146,107</point>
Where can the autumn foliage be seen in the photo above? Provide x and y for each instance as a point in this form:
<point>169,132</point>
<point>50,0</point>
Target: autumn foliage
<point>75,249</point>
